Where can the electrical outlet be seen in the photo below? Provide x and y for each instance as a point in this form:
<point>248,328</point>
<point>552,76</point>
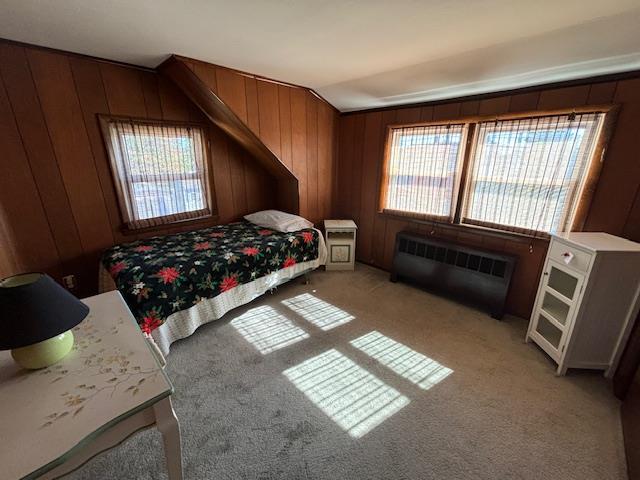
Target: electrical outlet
<point>69,282</point>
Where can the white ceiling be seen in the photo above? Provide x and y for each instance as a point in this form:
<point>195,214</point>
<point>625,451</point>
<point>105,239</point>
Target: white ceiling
<point>355,53</point>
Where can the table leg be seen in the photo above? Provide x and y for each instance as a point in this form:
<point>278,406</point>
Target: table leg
<point>168,425</point>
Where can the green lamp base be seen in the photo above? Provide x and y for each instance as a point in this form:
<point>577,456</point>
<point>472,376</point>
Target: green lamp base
<point>45,353</point>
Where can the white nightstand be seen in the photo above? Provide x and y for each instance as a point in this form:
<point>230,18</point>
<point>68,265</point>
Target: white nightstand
<point>340,236</point>
<point>110,386</point>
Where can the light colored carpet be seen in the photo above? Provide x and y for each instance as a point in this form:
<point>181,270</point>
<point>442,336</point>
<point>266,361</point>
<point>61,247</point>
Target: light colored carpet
<point>413,387</point>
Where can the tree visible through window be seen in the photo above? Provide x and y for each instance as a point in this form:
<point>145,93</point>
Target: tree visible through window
<point>160,170</point>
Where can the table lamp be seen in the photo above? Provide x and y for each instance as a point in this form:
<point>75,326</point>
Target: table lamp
<point>37,318</point>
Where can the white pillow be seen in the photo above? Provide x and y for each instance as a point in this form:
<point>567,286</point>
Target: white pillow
<point>277,220</point>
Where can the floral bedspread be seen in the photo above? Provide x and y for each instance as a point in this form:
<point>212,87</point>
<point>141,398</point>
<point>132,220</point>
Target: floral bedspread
<point>162,275</point>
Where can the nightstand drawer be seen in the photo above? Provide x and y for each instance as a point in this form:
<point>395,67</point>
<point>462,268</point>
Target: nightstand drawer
<point>569,255</point>
<point>341,235</point>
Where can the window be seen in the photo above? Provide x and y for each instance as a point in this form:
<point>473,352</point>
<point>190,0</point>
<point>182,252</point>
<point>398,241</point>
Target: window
<point>526,175</point>
<point>422,167</point>
<point>160,170</point>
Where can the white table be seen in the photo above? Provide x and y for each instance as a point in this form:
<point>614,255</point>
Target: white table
<point>111,385</point>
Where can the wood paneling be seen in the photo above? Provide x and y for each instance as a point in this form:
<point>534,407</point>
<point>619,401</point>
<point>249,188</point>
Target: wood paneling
<point>369,191</point>
<point>296,126</point>
<point>232,91</point>
<point>284,108</point>
<point>31,242</point>
<point>299,146</point>
<point>65,122</point>
<point>58,209</point>
<point>124,90</point>
<point>615,208</point>
<point>60,182</point>
<point>614,204</point>
<point>18,81</point>
<point>312,157</point>
<point>269,115</point>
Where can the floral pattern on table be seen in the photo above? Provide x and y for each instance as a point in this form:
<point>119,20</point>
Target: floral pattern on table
<point>110,371</point>
<point>162,275</point>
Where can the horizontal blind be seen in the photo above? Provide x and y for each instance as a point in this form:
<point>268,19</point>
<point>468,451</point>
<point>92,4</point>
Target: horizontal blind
<point>161,171</point>
<point>422,170</point>
<point>526,174</point>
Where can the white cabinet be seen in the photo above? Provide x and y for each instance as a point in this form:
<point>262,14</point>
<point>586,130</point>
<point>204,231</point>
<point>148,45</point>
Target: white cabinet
<point>341,244</point>
<point>587,300</point>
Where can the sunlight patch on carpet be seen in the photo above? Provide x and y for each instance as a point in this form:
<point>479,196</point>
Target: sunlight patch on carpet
<point>318,312</point>
<point>352,397</point>
<point>414,366</point>
<point>268,330</point>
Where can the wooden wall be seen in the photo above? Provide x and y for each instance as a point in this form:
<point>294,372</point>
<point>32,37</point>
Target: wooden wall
<point>615,208</point>
<point>294,123</point>
<point>58,209</point>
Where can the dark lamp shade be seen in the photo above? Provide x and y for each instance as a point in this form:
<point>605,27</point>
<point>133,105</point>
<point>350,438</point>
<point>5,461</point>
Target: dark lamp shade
<point>33,308</point>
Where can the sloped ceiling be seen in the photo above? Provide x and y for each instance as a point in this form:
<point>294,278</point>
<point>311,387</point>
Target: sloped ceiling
<point>355,53</point>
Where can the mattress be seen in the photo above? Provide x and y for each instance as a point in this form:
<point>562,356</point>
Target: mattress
<point>173,284</point>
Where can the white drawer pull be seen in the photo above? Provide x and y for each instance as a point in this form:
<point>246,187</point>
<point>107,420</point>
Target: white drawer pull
<point>567,257</point>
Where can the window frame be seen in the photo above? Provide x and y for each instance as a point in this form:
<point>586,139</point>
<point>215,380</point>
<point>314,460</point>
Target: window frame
<point>468,147</point>
<point>456,180</point>
<point>210,194</point>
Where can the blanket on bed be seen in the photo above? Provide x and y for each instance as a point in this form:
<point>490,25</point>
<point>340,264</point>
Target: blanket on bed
<point>162,275</point>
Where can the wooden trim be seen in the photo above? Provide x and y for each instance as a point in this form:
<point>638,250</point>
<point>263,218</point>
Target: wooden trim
<point>461,185</point>
<point>466,227</point>
<point>191,222</point>
<point>126,226</point>
<point>587,193</point>
<point>223,117</point>
<point>462,199</point>
<point>211,191</point>
<point>103,120</point>
<point>415,215</point>
<point>250,75</point>
<point>383,187</point>
<point>505,228</point>
<point>157,67</point>
<point>153,121</point>
<point>523,115</point>
<point>384,179</point>
<point>431,123</point>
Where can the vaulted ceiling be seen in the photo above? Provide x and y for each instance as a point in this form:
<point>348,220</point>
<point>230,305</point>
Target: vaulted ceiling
<point>355,53</point>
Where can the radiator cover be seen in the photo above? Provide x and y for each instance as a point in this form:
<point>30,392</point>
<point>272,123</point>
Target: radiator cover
<point>471,274</point>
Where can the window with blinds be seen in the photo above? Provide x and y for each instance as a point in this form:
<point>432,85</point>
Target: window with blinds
<point>526,174</point>
<point>160,170</point>
<point>422,169</point>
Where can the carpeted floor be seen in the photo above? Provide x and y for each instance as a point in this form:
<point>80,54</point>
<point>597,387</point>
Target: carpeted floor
<point>354,377</point>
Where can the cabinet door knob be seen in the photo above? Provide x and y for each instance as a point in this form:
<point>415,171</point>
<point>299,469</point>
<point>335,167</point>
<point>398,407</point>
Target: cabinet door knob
<point>546,273</point>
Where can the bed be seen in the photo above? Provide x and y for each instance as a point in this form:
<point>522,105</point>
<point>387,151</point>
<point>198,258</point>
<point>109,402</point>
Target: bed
<point>175,283</point>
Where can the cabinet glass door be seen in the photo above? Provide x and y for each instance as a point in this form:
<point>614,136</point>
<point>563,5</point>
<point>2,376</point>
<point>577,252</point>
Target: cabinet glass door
<point>555,307</point>
<point>550,332</point>
<point>556,302</point>
<point>562,282</point>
